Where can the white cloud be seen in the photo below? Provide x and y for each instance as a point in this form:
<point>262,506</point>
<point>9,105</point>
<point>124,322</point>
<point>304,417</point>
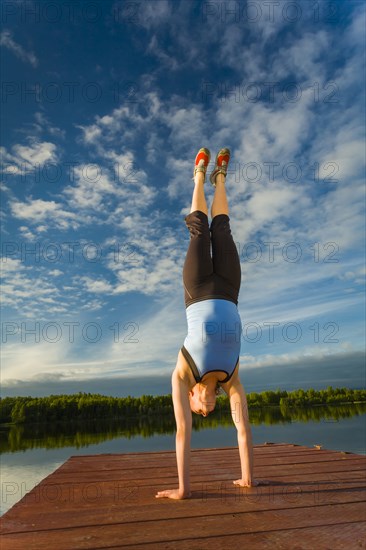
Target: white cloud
<point>303,58</point>
<point>165,60</point>
<point>55,272</point>
<point>26,360</point>
<point>154,145</point>
<point>99,286</point>
<point>43,125</point>
<point>26,233</point>
<point>269,203</point>
<point>152,14</point>
<point>143,263</point>
<point>185,123</point>
<point>37,154</point>
<point>91,134</point>
<point>121,186</point>
<point>41,228</point>
<point>354,34</point>
<point>7,40</point>
<point>90,189</point>
<point>10,265</point>
<point>92,305</point>
<point>25,291</point>
<point>123,123</point>
<point>117,189</point>
<point>39,210</point>
<point>26,158</point>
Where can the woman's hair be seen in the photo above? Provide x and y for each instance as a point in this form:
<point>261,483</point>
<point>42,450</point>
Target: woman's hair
<point>218,389</point>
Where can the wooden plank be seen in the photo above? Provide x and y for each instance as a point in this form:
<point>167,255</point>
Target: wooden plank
<point>136,507</point>
<point>306,538</point>
<point>168,530</point>
<point>281,469</point>
<point>123,468</point>
<point>110,462</point>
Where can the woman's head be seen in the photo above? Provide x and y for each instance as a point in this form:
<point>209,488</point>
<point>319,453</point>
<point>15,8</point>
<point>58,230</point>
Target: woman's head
<point>202,398</point>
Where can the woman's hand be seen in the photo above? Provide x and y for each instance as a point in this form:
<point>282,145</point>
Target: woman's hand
<point>253,483</point>
<point>173,493</point>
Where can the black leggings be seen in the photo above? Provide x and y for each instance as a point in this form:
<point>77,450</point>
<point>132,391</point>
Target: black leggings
<point>205,277</point>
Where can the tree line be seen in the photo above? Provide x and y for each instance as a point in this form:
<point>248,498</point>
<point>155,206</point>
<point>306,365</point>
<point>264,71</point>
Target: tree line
<point>82,433</point>
<point>89,406</point>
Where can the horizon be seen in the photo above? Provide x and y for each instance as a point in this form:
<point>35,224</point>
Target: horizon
<point>333,374</point>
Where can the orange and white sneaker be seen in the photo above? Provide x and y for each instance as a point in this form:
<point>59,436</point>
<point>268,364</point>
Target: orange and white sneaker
<point>221,164</point>
<point>202,161</point>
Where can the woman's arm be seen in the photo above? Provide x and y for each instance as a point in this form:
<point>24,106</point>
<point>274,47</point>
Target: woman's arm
<point>183,418</point>
<point>239,413</point>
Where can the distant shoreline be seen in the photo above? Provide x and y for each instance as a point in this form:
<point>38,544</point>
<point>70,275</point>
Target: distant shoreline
<point>87,406</point>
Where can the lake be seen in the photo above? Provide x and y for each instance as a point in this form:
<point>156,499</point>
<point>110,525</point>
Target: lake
<point>30,453</point>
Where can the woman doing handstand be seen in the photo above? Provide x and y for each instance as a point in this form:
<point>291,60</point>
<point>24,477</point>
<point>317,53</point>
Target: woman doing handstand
<point>209,357</point>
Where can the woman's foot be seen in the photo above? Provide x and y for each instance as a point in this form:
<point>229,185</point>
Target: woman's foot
<point>221,164</point>
<point>201,162</point>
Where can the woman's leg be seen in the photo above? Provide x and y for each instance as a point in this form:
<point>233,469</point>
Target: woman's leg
<point>220,204</point>
<point>198,197</point>
<point>225,257</point>
<point>198,267</point>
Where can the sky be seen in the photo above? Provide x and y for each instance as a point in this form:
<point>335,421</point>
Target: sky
<point>104,107</point>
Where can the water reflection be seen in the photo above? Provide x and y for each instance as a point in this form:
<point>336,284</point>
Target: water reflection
<point>84,433</point>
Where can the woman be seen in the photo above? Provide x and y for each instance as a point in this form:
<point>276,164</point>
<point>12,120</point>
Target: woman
<point>209,357</point>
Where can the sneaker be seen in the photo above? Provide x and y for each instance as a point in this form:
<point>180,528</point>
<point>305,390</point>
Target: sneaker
<point>202,160</point>
<point>221,164</point>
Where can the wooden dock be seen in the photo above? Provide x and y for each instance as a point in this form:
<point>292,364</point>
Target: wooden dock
<point>316,499</point>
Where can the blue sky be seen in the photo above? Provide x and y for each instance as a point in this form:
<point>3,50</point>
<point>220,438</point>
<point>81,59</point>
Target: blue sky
<point>105,105</point>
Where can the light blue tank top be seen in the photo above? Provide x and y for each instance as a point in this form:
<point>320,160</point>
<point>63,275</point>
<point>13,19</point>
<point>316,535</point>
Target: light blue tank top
<point>214,337</point>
